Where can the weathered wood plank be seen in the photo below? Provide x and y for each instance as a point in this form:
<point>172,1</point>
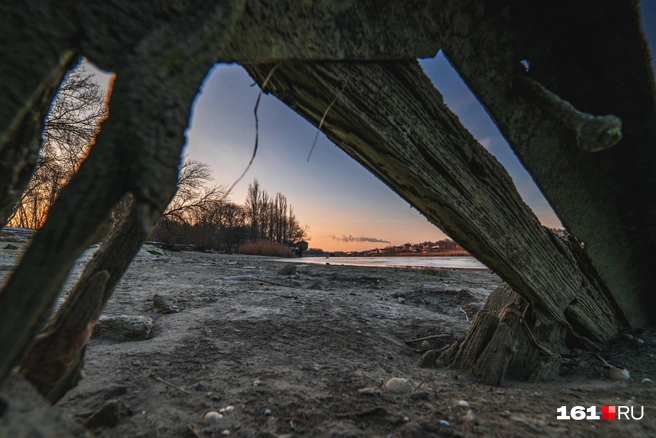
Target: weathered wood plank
<point>393,121</point>
<point>597,59</point>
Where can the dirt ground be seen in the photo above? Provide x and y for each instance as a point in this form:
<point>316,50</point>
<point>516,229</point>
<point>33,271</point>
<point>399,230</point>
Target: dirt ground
<point>291,355</point>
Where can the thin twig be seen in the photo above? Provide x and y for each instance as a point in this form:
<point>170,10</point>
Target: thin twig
<point>316,137</point>
<point>159,379</point>
<point>426,338</point>
<point>586,353</point>
<point>257,104</point>
<point>466,316</point>
<point>272,282</point>
<point>419,386</point>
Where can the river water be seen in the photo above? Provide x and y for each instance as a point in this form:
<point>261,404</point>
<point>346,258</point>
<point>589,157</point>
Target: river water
<point>395,262</point>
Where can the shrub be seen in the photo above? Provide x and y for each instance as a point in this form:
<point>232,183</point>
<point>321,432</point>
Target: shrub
<point>262,247</point>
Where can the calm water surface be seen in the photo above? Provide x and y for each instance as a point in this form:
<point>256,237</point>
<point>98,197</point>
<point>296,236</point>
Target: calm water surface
<point>414,262</point>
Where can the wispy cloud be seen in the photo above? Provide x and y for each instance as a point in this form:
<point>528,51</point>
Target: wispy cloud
<point>486,142</point>
<point>350,238</point>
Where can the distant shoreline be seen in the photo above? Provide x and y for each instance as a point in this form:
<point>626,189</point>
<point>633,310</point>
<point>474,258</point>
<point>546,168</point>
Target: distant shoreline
<point>400,254</point>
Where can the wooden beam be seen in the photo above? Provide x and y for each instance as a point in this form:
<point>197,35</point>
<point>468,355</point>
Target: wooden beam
<point>393,121</point>
<point>596,58</point>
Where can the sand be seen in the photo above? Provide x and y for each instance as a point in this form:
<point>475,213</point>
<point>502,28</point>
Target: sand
<point>310,355</point>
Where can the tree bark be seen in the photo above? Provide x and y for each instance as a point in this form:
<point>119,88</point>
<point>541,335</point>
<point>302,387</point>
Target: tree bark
<point>603,198</point>
<point>138,151</point>
<point>391,119</point>
<point>161,50</point>
<point>82,308</point>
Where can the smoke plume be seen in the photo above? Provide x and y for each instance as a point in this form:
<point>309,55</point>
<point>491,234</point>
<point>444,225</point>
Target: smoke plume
<point>350,238</point>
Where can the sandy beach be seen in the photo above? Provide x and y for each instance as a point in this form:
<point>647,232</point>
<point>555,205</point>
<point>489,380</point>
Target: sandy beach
<point>309,354</point>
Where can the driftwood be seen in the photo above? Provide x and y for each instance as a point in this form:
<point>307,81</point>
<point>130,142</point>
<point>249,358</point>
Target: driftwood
<point>601,198</point>
<point>392,120</point>
<point>388,117</point>
<point>83,307</point>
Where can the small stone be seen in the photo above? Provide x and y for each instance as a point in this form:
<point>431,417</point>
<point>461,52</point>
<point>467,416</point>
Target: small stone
<point>445,423</point>
<point>212,416</point>
<point>401,300</point>
<point>406,419</point>
<point>420,395</point>
<point>428,359</point>
<point>161,305</point>
<point>226,432</point>
<point>627,337</point>
<point>123,327</point>
<point>615,373</point>
<point>267,412</point>
<point>399,385</point>
<point>229,409</point>
<point>317,285</point>
<point>257,382</point>
<point>372,390</point>
<point>287,270</point>
<point>108,415</point>
<point>506,414</point>
<point>463,404</point>
<point>646,380</point>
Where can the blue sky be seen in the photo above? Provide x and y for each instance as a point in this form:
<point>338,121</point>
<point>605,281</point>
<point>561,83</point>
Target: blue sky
<point>332,193</point>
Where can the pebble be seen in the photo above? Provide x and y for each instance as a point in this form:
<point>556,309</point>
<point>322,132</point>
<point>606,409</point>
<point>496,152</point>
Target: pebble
<point>372,390</point>
<point>212,416</point>
<point>257,382</point>
<point>445,423</point>
<point>420,395</point>
<point>267,412</point>
<point>229,408</point>
<point>615,373</point>
<point>646,380</point>
<point>401,300</point>
<point>226,432</point>
<point>463,404</point>
<point>399,385</point>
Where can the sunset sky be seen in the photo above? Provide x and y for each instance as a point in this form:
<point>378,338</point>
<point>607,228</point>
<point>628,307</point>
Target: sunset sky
<point>340,200</point>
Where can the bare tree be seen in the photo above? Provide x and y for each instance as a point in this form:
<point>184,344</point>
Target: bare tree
<point>194,199</point>
<point>269,217</point>
<point>70,129</point>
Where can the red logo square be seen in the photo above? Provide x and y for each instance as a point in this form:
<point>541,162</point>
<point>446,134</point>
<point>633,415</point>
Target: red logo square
<point>608,413</point>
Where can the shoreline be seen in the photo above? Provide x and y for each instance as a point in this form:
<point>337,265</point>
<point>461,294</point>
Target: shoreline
<point>426,263</point>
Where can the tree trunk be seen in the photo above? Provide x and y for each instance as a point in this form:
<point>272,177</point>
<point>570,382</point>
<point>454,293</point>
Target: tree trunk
<point>391,119</point>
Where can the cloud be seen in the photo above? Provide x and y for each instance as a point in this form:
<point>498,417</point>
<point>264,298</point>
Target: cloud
<point>486,142</point>
<point>350,238</point>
